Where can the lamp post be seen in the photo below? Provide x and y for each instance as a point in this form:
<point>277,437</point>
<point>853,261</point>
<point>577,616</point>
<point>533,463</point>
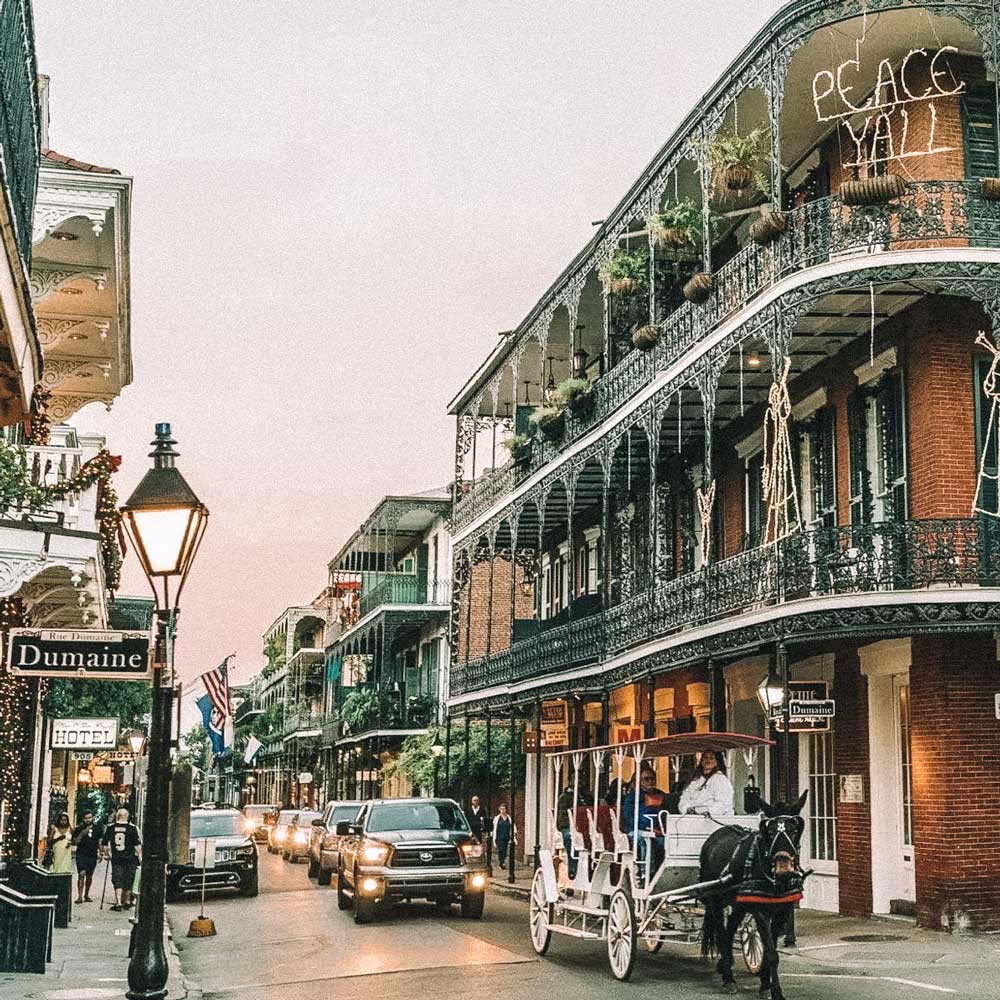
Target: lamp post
<point>773,697</point>
<point>436,752</point>
<point>137,744</point>
<point>165,522</point>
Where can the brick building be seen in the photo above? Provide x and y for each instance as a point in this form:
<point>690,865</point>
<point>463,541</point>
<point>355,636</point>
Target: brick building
<point>751,427</point>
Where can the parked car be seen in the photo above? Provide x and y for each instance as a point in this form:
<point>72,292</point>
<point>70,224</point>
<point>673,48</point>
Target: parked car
<point>409,849</point>
<point>258,819</point>
<point>296,845</point>
<point>235,856</point>
<point>324,843</point>
<point>278,834</point>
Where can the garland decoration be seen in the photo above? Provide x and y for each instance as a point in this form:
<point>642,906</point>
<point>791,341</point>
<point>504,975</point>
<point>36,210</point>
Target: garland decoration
<point>706,501</point>
<point>18,492</point>
<point>780,493</point>
<point>17,696</point>
<point>39,423</point>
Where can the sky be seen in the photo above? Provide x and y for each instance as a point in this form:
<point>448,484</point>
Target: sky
<point>336,207</point>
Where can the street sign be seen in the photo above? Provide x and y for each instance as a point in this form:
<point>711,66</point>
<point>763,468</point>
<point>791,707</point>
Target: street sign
<point>84,734</point>
<point>204,852</point>
<point>121,656</point>
<point>804,708</point>
<point>804,692</point>
<point>555,726</point>
<point>105,756</point>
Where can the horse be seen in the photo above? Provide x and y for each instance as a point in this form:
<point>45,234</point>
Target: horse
<point>761,876</point>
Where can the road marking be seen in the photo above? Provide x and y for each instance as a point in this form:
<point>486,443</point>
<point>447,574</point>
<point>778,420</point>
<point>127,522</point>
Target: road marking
<point>813,947</point>
<point>883,979</point>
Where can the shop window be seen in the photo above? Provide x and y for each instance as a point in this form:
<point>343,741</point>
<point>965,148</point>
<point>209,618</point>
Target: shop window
<point>822,798</point>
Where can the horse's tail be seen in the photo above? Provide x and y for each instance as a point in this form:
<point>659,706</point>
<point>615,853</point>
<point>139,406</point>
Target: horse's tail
<point>710,929</point>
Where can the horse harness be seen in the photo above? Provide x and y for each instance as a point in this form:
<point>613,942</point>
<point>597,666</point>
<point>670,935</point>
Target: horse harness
<point>756,885</point>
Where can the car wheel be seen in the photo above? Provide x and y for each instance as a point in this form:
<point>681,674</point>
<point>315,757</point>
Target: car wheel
<point>272,850</point>
<point>250,885</point>
<point>364,907</point>
<point>343,900</point>
<point>285,855</point>
<point>324,875</point>
<point>313,868</point>
<point>472,905</point>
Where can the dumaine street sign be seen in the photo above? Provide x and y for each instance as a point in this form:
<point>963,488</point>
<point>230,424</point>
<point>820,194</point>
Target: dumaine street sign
<point>120,656</point>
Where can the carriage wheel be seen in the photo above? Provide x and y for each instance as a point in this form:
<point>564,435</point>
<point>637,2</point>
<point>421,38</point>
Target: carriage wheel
<point>751,944</point>
<point>539,914</point>
<point>621,935</point>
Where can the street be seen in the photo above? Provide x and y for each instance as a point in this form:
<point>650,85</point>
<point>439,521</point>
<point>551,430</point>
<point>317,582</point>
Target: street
<point>292,935</point>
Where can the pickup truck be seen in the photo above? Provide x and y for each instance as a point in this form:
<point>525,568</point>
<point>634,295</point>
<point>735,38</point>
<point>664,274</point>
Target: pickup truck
<point>398,849</point>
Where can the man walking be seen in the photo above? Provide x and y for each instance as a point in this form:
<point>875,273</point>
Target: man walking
<point>122,842</point>
<point>478,819</point>
<point>87,842</point>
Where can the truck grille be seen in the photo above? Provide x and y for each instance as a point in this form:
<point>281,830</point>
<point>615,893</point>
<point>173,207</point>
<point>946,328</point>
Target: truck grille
<point>442,856</point>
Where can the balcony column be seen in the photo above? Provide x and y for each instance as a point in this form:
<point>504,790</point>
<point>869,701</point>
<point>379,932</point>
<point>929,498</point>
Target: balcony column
<point>512,806</point>
<point>570,569</point>
<point>489,596</point>
<point>606,536</point>
<point>465,763</point>
<point>513,578</point>
<point>447,755</point>
<point>651,700</point>
<point>468,604</point>
<point>777,71</point>
<point>488,804</point>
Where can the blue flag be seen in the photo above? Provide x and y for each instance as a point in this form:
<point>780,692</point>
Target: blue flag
<point>214,723</point>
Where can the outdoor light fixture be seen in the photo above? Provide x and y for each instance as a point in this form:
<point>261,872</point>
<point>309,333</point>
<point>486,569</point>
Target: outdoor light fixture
<point>753,361</point>
<point>550,386</point>
<point>137,742</point>
<point>771,692</point>
<point>83,776</point>
<point>437,750</point>
<point>580,357</point>
<point>165,521</point>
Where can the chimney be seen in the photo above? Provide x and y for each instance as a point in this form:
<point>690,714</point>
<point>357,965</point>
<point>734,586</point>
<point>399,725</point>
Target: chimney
<point>43,109</point>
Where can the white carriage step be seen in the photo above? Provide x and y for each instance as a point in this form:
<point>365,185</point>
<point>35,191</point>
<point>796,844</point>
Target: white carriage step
<point>575,932</point>
<point>593,911</point>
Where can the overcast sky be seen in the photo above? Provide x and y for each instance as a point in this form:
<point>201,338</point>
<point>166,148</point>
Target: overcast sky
<point>336,207</point>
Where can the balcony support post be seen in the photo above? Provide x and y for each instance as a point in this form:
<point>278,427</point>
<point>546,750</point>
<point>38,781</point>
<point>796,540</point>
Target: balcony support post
<point>538,784</point>
<point>606,537</point>
<point>489,790</point>
<point>466,766</point>
<point>651,699</point>
<point>447,753</point>
<point>513,793</point>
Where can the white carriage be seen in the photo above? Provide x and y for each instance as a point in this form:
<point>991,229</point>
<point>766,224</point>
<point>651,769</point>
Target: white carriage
<point>619,895</point>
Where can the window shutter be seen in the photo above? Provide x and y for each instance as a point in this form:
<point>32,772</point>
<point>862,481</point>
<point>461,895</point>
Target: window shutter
<point>756,512</point>
<point>823,466</point>
<point>860,474</point>
<point>979,133</point>
<point>892,445</point>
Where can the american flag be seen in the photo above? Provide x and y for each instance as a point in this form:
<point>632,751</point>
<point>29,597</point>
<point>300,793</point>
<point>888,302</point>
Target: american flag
<point>217,685</point>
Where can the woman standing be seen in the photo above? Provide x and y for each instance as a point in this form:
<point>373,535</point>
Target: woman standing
<point>504,834</point>
<point>61,845</point>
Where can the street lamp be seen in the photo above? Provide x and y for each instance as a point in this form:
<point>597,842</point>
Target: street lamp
<point>137,742</point>
<point>437,752</point>
<point>771,693</point>
<point>774,698</point>
<point>165,522</point>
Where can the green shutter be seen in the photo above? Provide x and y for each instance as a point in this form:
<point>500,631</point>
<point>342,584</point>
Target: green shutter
<point>987,499</point>
<point>757,512</point>
<point>822,445</point>
<point>892,445</point>
<point>979,133</point>
<point>860,474</point>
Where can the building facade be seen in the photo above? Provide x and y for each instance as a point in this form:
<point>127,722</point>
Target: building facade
<point>753,425</point>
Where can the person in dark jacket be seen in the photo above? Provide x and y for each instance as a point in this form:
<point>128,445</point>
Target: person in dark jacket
<point>478,820</point>
<point>504,834</point>
<point>87,840</point>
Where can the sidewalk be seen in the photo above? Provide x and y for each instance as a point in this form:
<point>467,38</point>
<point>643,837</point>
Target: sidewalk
<point>89,959</point>
<point>849,944</point>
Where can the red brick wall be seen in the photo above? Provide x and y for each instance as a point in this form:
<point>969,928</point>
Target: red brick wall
<point>955,742</point>
<point>480,634</point>
<point>854,823</point>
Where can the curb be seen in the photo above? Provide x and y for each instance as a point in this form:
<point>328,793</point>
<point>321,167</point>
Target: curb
<point>512,891</point>
<point>188,989</point>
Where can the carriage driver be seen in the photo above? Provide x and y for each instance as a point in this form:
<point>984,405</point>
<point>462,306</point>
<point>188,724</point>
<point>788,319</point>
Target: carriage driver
<point>709,792</point>
<point>652,802</point>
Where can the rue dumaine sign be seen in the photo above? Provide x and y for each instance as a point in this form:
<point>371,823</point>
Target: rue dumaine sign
<point>120,656</point>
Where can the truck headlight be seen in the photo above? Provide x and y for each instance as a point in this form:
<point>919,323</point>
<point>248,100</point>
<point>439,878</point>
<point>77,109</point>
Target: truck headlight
<point>300,836</point>
<point>374,853</point>
<point>478,881</point>
<point>249,825</point>
<point>281,833</point>
<point>471,850</point>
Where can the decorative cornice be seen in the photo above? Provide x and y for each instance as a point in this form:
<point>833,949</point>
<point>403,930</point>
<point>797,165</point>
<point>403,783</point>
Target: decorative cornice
<point>54,328</point>
<point>56,205</point>
<point>46,279</point>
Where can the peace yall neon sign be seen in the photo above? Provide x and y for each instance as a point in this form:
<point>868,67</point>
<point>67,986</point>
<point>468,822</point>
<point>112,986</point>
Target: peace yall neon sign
<point>885,133</point>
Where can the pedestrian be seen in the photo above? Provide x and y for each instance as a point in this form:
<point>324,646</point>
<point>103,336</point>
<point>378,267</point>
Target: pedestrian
<point>60,846</point>
<point>87,841</point>
<point>123,844</point>
<point>504,834</point>
<point>478,820</point>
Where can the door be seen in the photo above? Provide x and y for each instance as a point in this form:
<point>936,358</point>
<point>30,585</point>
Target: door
<point>904,771</point>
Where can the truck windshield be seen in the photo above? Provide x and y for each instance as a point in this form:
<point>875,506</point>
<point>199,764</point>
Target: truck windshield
<point>209,824</point>
<point>416,816</point>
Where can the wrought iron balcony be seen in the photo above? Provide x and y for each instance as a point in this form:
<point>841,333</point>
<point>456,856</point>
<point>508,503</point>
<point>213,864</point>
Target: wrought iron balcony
<point>405,588</point>
<point>19,134</point>
<point>881,558</point>
<point>930,214</point>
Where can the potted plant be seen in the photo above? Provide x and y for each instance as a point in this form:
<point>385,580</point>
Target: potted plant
<point>549,420</point>
<point>678,226</point>
<point>767,228</point>
<point>645,337</point>
<point>989,188</point>
<point>625,272</point>
<point>872,190</point>
<point>738,161</point>
<point>578,395</point>
<point>519,447</point>
<point>698,288</point>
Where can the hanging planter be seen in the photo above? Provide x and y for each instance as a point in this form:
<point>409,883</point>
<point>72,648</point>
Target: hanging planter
<point>872,190</point>
<point>698,288</point>
<point>677,227</point>
<point>736,176</point>
<point>549,421</point>
<point>769,227</point>
<point>626,272</point>
<point>520,449</point>
<point>989,188</point>
<point>578,396</point>
<point>739,162</point>
<point>645,338</point>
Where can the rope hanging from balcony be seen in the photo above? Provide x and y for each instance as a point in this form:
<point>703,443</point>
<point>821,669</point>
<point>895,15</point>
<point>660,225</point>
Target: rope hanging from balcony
<point>984,491</point>
<point>780,493</point>
<point>706,501</point>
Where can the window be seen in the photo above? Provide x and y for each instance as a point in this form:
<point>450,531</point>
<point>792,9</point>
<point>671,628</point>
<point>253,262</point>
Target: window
<point>756,512</point>
<point>581,574</point>
<point>823,468</point>
<point>979,132</point>
<point>822,797</point>
<point>593,563</point>
<point>906,766</point>
<point>876,427</point>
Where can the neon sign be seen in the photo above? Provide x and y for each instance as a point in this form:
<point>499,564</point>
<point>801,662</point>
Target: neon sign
<point>885,132</point>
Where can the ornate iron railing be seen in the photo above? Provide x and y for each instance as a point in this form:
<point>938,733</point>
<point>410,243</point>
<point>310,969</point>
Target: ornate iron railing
<point>405,588</point>
<point>879,558</point>
<point>19,137</point>
<point>931,213</point>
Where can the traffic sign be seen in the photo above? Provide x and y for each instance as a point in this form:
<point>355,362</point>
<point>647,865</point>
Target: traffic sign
<point>809,708</point>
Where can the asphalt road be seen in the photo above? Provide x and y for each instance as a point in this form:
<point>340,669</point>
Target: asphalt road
<point>291,941</point>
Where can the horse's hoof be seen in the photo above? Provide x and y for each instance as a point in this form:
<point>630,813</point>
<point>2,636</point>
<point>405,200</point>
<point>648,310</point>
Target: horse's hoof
<point>730,988</point>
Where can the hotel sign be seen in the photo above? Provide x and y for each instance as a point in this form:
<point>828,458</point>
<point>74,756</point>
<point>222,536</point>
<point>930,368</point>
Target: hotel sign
<point>120,656</point>
<point>84,734</point>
